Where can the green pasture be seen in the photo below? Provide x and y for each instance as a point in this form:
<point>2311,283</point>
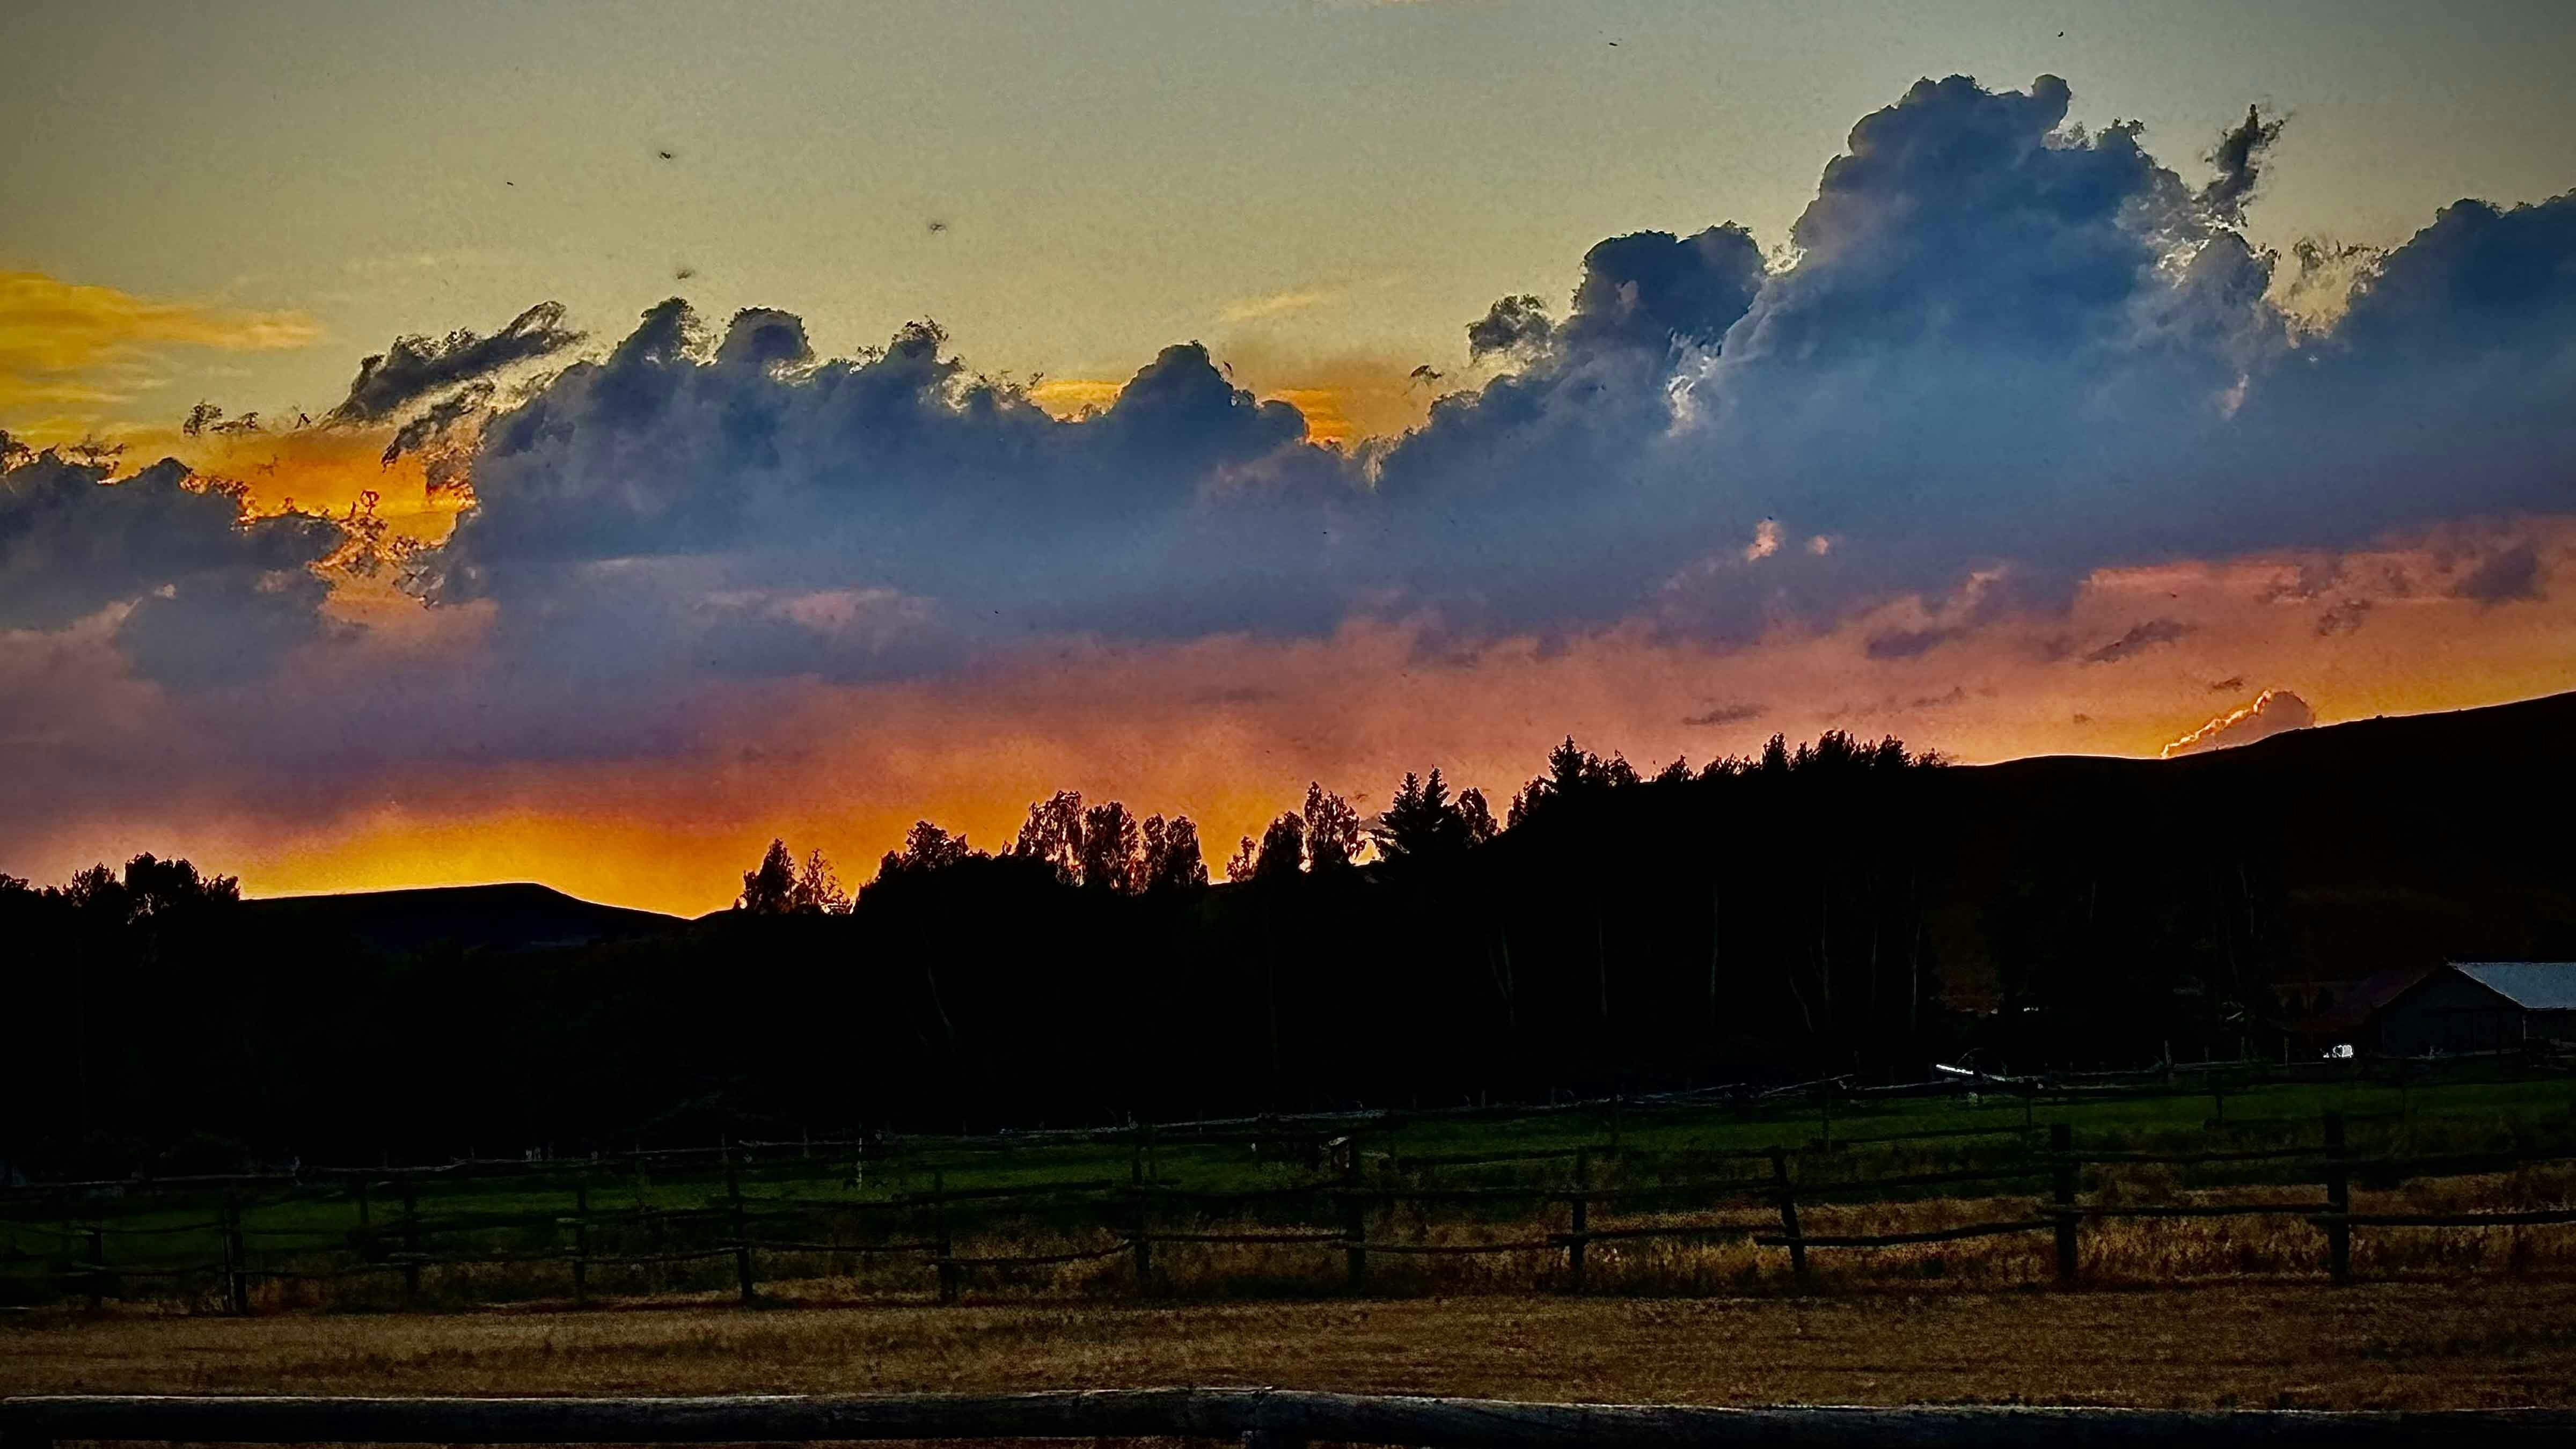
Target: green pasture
<point>41,1233</point>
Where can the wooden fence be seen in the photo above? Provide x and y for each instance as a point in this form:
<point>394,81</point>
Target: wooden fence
<point>1104,1219</point>
<point>1254,1418</point>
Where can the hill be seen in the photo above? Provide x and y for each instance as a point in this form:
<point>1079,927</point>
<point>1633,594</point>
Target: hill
<point>517,916</point>
<point>1839,907</point>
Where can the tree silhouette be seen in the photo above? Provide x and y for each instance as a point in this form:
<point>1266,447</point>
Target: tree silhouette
<point>1423,825</point>
<point>1246,861</point>
<point>817,890</point>
<point>1477,816</point>
<point>770,888</point>
<point>1111,851</point>
<point>1171,859</point>
<point>1053,834</point>
<point>1283,850</point>
<point>926,848</point>
<point>1332,830</point>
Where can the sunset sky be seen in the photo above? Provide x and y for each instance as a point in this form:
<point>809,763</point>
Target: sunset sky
<point>819,417</point>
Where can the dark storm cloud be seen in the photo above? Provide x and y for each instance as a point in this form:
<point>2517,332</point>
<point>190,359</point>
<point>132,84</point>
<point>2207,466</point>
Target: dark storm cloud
<point>1655,290</point>
<point>733,506</point>
<point>209,596</point>
<point>2239,159</point>
<point>1512,327</point>
<point>2000,353</point>
<point>416,368</point>
<point>2008,351</point>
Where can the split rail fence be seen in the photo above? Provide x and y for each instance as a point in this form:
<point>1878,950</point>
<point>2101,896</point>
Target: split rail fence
<point>1747,1196</point>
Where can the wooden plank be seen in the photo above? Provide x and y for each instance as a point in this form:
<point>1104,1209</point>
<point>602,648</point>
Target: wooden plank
<point>2449,1220</point>
<point>1893,1240</point>
<point>1280,1417</point>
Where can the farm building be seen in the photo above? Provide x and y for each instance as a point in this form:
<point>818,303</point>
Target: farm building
<point>2464,1006</point>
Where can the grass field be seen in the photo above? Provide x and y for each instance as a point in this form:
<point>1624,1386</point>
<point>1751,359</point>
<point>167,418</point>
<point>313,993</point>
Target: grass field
<point>2241,1344</point>
<point>292,1228</point>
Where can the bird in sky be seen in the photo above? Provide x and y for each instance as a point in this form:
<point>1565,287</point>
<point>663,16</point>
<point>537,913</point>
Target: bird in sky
<point>665,155</point>
<point>936,227</point>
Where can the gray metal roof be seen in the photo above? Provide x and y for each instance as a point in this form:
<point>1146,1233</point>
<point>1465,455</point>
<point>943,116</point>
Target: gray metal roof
<point>2531,985</point>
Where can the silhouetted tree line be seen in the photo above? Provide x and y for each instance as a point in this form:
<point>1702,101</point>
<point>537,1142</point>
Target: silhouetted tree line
<point>1839,906</point>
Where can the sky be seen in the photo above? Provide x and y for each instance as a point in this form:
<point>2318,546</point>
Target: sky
<point>871,412</point>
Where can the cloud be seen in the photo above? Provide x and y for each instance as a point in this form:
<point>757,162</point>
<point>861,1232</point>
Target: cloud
<point>2007,353</point>
<point>2139,639</point>
<point>2274,711</point>
<point>1277,304</point>
<point>204,595</point>
<point>64,342</point>
<point>2000,355</point>
<point>667,506</point>
<point>1907,643</point>
<point>2511,574</point>
<point>1724,714</point>
<point>2239,156</point>
<point>417,368</point>
<point>1512,327</point>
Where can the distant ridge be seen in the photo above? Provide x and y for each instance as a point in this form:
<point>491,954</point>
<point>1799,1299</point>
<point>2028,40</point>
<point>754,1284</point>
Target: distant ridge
<point>515,916</point>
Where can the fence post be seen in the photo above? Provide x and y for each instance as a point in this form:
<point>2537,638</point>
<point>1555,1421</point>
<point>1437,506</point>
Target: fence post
<point>741,1231</point>
<point>2338,1203</point>
<point>411,1238</point>
<point>236,1281</point>
<point>946,1241</point>
<point>1578,1239</point>
<point>581,1241</point>
<point>97,1267</point>
<point>1789,1215</point>
<point>2061,1145</point>
<point>1144,1222</point>
<point>1354,1219</point>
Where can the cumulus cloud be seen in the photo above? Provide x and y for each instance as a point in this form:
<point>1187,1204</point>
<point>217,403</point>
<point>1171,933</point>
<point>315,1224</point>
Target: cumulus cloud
<point>2274,711</point>
<point>205,594</point>
<point>2003,352</point>
<point>680,502</point>
<point>1513,326</point>
<point>417,368</point>
<point>2009,352</point>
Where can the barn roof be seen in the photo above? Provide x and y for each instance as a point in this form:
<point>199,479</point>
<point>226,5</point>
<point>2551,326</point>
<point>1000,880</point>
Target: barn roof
<point>2531,985</point>
<point>2363,1000</point>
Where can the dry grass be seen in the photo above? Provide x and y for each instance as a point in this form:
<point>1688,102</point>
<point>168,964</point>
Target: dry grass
<point>2115,1253</point>
<point>2392,1345</point>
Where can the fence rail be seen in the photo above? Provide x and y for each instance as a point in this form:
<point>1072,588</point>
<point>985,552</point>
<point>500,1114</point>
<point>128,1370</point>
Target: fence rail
<point>1098,1218</point>
<point>1254,1418</point>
